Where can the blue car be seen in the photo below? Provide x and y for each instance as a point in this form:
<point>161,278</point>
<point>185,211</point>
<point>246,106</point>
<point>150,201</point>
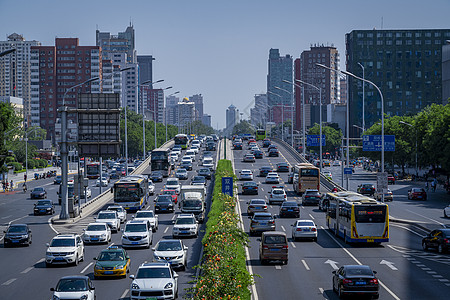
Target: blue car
<point>156,176</point>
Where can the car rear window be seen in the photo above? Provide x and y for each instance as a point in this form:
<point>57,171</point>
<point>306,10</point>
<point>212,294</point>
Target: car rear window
<point>262,217</point>
<point>277,192</point>
<point>305,223</point>
<point>275,239</point>
<point>358,271</point>
<point>258,202</point>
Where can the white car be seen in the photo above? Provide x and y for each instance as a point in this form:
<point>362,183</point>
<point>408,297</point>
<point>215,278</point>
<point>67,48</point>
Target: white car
<point>245,175</point>
<point>74,287</point>
<point>173,183</point>
<point>447,212</point>
<point>187,158</point>
<point>147,215</point>
<point>104,182</point>
<point>304,229</point>
<point>121,212</point>
<point>65,249</point>
<point>327,174</point>
<point>208,162</point>
<point>173,155</point>
<point>277,194</point>
<point>109,217</point>
<point>272,178</point>
<point>154,279</point>
<point>97,233</point>
<point>88,192</point>
<point>176,151</point>
<point>191,153</point>
<point>336,163</point>
<point>137,233</point>
<point>195,148</point>
<point>172,251</point>
<point>185,225</point>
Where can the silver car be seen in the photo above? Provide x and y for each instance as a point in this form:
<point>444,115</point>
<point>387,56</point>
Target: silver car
<point>121,212</point>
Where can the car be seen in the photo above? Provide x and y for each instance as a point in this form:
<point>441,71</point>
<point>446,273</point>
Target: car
<point>198,180</point>
<point>388,195</point>
<point>262,221</point>
<point>173,193</point>
<point>272,146</point>
<point>263,171</point>
<point>250,187</point>
<point>289,208</point>
<point>121,212</point>
<point>366,189</point>
<point>113,261</point>
<point>43,207</point>
<point>148,215</point>
<point>151,187</point>
<point>156,176</point>
<point>272,178</point>
<point>17,234</point>
<point>237,146</point>
<point>282,167</point>
<point>391,179</point>
<point>74,287</point>
<point>246,175</point>
<point>109,217</point>
<point>173,252</point>
<point>256,205</point>
<point>438,239</point>
<point>38,193</point>
<point>327,174</point>
<point>57,180</point>
<point>273,153</point>
<point>277,194</point>
<point>326,163</point>
<point>187,158</point>
<point>447,211</point>
<point>273,246</point>
<point>186,165</point>
<point>248,158</point>
<point>173,184</point>
<point>164,203</point>
<point>173,155</point>
<point>191,153</point>
<point>185,225</point>
<point>208,162</point>
<point>206,172</point>
<point>291,177</point>
<point>336,163</point>
<point>355,279</point>
<point>65,249</point>
<point>88,192</point>
<point>156,278</point>
<point>266,143</point>
<point>210,146</point>
<point>104,182</point>
<point>311,197</point>
<point>97,233</point>
<point>417,194</point>
<point>304,229</point>
<point>181,174</point>
<point>258,154</point>
<point>137,233</point>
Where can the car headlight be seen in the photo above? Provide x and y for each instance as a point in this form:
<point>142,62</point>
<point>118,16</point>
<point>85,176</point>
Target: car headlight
<point>103,235</point>
<point>55,297</point>
<point>125,237</point>
<point>179,257</point>
<point>134,286</point>
<point>25,236</point>
<point>84,297</point>
<point>71,253</point>
<point>169,285</point>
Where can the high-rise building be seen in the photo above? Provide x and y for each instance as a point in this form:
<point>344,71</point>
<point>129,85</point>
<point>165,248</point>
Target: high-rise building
<point>15,72</point>
<point>232,118</point>
<point>446,72</point>
<point>258,114</point>
<point>54,69</point>
<point>307,71</point>
<point>154,104</point>
<point>186,113</point>
<point>145,63</point>
<point>206,120</point>
<point>172,110</point>
<point>198,101</point>
<point>405,64</point>
<point>123,42</point>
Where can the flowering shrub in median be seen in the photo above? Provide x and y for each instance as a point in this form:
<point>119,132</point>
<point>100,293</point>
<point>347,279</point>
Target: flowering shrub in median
<point>223,271</point>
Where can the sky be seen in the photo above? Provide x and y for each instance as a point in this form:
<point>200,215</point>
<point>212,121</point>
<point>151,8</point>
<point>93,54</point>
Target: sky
<point>217,48</point>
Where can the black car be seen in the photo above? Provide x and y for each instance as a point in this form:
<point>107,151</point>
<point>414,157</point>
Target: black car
<point>211,146</point>
<point>250,187</point>
<point>186,165</point>
<point>164,203</point>
<point>206,172</point>
<point>258,154</point>
<point>43,207</point>
<point>156,176</point>
<point>273,153</point>
<point>366,189</point>
<point>271,147</point>
<point>438,239</point>
<point>282,167</point>
<point>17,234</point>
<point>263,171</point>
<point>266,143</point>
<point>198,180</point>
<point>289,209</point>
<point>38,193</point>
<point>237,146</point>
<point>355,279</point>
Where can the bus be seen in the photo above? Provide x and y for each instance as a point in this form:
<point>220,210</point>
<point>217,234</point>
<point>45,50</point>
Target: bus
<point>131,192</point>
<point>93,170</point>
<point>357,218</point>
<point>308,177</point>
<point>260,134</point>
<point>182,140</point>
<point>159,161</point>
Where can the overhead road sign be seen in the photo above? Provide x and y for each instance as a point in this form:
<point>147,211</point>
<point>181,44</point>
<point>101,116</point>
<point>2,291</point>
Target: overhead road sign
<point>313,140</point>
<point>373,143</point>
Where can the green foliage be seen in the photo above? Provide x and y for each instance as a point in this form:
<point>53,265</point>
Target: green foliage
<point>333,137</point>
<point>36,133</point>
<point>8,121</point>
<point>198,128</point>
<point>243,127</point>
<point>19,150</point>
<point>17,166</point>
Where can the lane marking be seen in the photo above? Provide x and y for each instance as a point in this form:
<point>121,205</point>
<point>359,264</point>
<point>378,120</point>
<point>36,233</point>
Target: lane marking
<point>306,265</point>
<point>9,281</point>
<point>282,227</point>
<point>293,245</point>
<point>6,217</point>
<point>437,222</point>
<point>27,270</point>
<point>51,226</point>
<point>167,228</point>
<point>311,216</point>
<point>87,267</point>
<point>406,228</point>
<point>124,294</point>
<point>277,267</point>
<point>39,261</point>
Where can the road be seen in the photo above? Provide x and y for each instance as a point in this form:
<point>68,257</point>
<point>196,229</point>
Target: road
<point>25,266</point>
<point>404,270</point>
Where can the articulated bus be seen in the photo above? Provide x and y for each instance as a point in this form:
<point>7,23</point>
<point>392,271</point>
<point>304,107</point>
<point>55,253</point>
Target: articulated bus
<point>182,140</point>
<point>260,134</point>
<point>357,218</point>
<point>159,161</point>
<point>131,192</point>
<point>93,170</point>
<point>308,177</point>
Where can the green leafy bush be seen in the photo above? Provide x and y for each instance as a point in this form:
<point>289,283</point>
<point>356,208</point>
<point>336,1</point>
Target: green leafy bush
<point>17,166</point>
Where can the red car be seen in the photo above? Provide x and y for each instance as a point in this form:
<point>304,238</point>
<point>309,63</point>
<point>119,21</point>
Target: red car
<point>417,194</point>
<point>391,179</point>
<point>250,141</point>
<point>173,193</point>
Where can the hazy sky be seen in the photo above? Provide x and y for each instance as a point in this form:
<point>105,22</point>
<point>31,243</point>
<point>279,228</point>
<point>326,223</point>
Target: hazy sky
<point>217,48</point>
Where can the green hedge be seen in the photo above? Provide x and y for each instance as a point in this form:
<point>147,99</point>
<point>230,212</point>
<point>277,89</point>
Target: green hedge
<point>17,166</point>
<point>223,271</point>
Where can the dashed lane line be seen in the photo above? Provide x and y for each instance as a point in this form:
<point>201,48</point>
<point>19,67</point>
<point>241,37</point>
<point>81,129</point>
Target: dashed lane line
<point>282,227</point>
<point>9,281</point>
<point>87,267</point>
<point>167,228</point>
<point>311,216</point>
<point>27,270</point>
<point>293,245</point>
<point>124,294</point>
<point>277,267</point>
<point>306,265</point>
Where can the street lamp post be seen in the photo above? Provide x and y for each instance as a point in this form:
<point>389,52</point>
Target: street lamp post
<point>282,115</point>
<point>410,125</point>
<point>292,114</point>
<point>363,123</point>
<point>303,115</point>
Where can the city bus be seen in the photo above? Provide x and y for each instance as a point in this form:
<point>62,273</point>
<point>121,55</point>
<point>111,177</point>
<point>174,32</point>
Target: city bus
<point>131,192</point>
<point>93,170</point>
<point>357,218</point>
<point>260,134</point>
<point>182,140</point>
<point>308,178</point>
<point>159,161</point>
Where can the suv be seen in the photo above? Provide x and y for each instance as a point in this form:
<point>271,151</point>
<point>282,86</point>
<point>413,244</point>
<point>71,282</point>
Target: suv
<point>109,217</point>
<point>262,222</point>
<point>17,234</point>
<point>173,184</point>
<point>181,174</point>
<point>185,225</point>
<point>277,194</point>
<point>172,251</point>
<point>147,215</point>
<point>311,196</point>
<point>366,189</point>
<point>273,246</point>
<point>65,249</point>
<point>74,287</point>
<point>137,233</point>
<point>155,279</point>
<point>121,212</point>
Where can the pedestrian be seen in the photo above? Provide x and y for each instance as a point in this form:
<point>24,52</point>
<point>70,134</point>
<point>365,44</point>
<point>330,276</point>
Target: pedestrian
<point>12,185</point>
<point>434,184</point>
<point>426,186</point>
<point>25,177</point>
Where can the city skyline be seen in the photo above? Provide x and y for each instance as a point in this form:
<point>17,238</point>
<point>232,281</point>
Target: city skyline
<point>231,47</point>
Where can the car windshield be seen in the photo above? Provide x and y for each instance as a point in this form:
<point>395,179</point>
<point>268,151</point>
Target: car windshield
<point>367,186</point>
<point>144,214</point>
<point>135,228</point>
<point>104,216</point>
<point>63,243</point>
<point>118,209</point>
<point>305,223</point>
<point>72,285</point>
<point>416,190</point>
<point>153,273</point>
<point>44,202</point>
<point>156,174</point>
<point>172,182</point>
<point>314,194</point>
<point>39,189</point>
<point>97,227</point>
<point>275,239</point>
<point>169,246</point>
<point>164,198</point>
<point>182,221</point>
<point>192,203</point>
<point>111,256</point>
<point>246,172</point>
<point>358,272</point>
<point>289,204</point>
<point>199,178</point>
<point>250,184</point>
<point>169,192</point>
<point>17,229</point>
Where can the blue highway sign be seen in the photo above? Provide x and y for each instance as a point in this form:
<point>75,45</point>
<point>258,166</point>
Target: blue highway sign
<point>373,143</point>
<point>227,186</point>
<point>312,140</point>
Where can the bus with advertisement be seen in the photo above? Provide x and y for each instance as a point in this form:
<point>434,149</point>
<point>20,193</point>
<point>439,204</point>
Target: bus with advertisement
<point>260,134</point>
<point>308,177</point>
<point>93,170</point>
<point>159,161</point>
<point>357,218</point>
<point>182,140</point>
<point>131,192</point>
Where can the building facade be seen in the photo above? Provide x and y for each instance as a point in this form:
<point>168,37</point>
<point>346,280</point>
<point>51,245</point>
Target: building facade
<point>145,63</point>
<point>446,72</point>
<point>206,120</point>
<point>123,42</point>
<point>154,104</point>
<point>258,114</point>
<point>172,110</point>
<point>186,114</point>
<point>198,101</point>
<point>232,118</point>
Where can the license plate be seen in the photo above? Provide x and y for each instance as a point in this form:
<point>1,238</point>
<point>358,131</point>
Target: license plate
<point>151,298</point>
<point>184,231</point>
<point>263,223</point>
<point>42,210</point>
<point>59,258</point>
<point>306,229</point>
<point>360,282</point>
<point>163,208</point>
<point>370,240</point>
<point>15,241</point>
<point>94,239</point>
<point>108,272</point>
<point>419,197</point>
<point>275,250</point>
<point>134,243</point>
<point>290,210</point>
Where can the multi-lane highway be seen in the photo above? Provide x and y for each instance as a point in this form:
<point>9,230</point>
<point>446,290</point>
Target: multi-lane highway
<point>404,269</point>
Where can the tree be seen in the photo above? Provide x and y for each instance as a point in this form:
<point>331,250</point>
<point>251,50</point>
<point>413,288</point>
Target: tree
<point>332,138</point>
<point>243,127</point>
<point>8,121</point>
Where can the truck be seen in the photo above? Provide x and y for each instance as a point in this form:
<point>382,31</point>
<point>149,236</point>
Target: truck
<point>192,201</point>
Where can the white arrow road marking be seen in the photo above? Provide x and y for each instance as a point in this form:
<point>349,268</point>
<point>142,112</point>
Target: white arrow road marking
<point>389,264</point>
<point>332,263</point>
<point>278,267</point>
<point>87,267</point>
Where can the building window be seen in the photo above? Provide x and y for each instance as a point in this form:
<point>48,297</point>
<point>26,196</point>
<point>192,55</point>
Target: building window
<point>437,42</point>
<point>427,34</point>
<point>398,42</point>
<point>418,42</point>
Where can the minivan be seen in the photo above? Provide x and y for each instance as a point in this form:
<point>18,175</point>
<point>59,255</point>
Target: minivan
<point>273,246</point>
